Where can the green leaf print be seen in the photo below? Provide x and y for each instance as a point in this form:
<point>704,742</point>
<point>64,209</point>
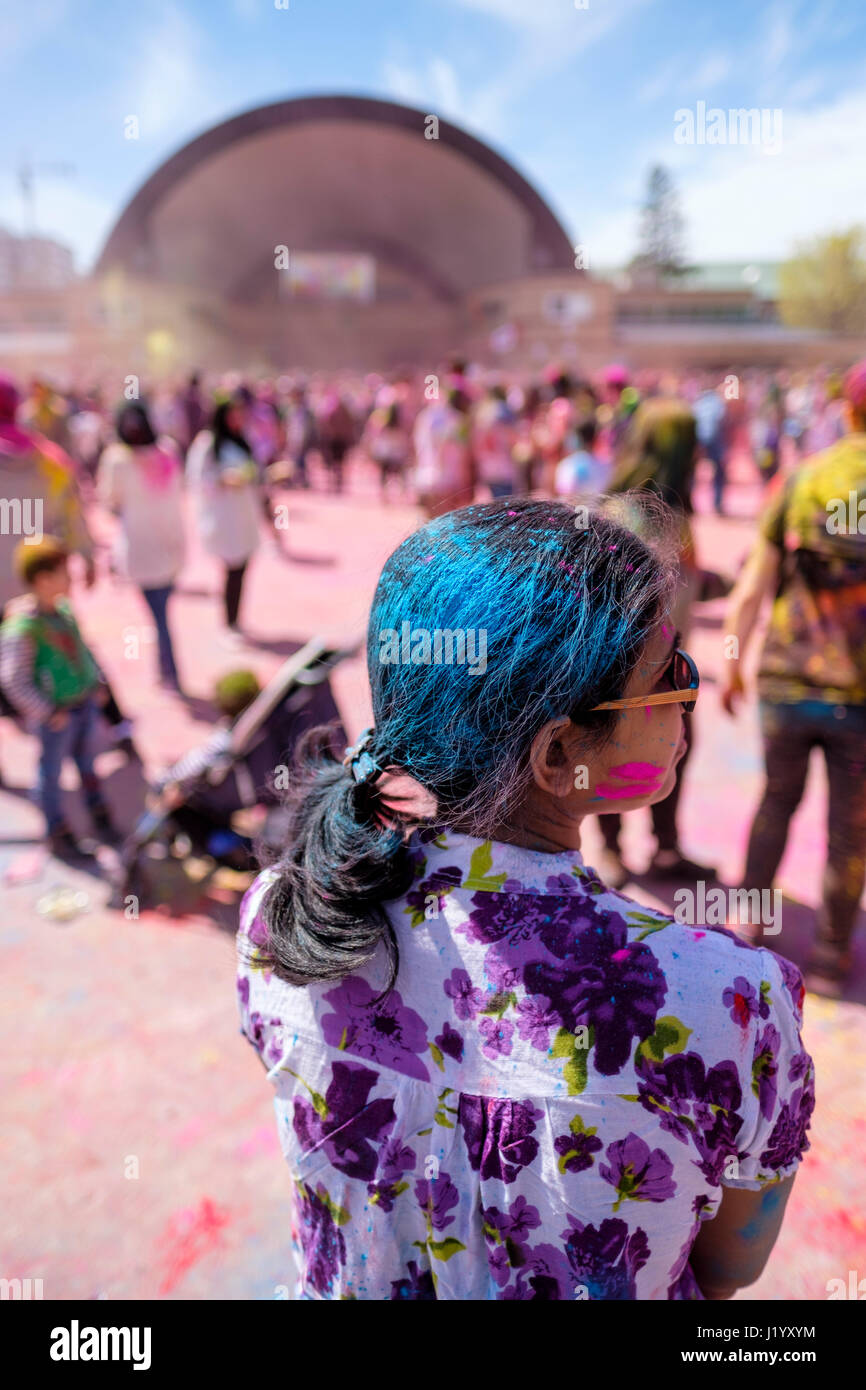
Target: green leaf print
<point>566,1045</point>
<point>436,1054</point>
<point>653,925</point>
<point>479,865</point>
<point>670,1036</point>
<point>444,1249</point>
<point>500,1004</point>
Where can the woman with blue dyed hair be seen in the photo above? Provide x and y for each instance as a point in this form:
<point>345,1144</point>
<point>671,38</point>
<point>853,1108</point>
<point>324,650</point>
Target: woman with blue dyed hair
<point>495,1078</point>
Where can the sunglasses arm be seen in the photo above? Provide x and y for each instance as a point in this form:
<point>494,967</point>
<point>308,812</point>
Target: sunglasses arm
<point>664,697</point>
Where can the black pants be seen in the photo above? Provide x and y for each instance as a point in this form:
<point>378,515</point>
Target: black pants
<point>790,733</point>
<point>664,813</point>
<point>233,589</point>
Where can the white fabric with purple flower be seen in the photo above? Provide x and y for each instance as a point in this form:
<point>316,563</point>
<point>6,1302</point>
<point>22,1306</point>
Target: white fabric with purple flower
<point>549,1102</point>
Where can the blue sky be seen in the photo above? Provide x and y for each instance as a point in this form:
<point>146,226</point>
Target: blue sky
<point>581,99</point>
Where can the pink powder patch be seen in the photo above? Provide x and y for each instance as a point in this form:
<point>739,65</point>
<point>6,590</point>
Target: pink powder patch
<point>189,1235</point>
<point>633,770</point>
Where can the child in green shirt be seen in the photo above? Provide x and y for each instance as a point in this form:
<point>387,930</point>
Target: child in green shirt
<point>51,678</point>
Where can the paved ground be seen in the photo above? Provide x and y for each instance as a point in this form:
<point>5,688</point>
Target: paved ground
<point>139,1154</point>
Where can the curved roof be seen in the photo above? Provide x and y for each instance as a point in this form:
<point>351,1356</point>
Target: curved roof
<point>336,173</point>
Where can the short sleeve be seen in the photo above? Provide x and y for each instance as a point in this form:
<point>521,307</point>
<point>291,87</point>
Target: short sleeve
<point>252,976</point>
<point>771,523</point>
<point>779,1095</point>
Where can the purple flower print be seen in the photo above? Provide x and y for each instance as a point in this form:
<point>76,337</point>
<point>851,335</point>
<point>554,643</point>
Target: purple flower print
<point>395,1159</point>
<point>503,973</point>
<point>352,1125</point>
<point>637,1172</point>
<point>385,1194</point>
<point>695,1105</point>
<point>799,1065</point>
<point>450,1043</point>
<point>535,1020</point>
<point>559,884</point>
<point>742,1001</point>
<point>515,918</point>
<point>386,1031</point>
<point>467,999</point>
<point>513,1225</point>
<point>606,1260</point>
<point>440,882</point>
<point>544,1276</point>
<point>268,1047</point>
<point>418,1287</point>
<point>607,982</point>
<point>498,1135</point>
<point>499,1265</point>
<point>793,984</point>
<point>788,1140</point>
<point>764,1069</point>
<point>321,1239</point>
<point>437,1197</point>
<point>243,990</point>
<point>257,931</point>
<point>497,1035</point>
<point>576,1148</point>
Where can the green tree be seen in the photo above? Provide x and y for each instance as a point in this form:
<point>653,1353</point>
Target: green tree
<point>662,228</point>
<point>824,284</point>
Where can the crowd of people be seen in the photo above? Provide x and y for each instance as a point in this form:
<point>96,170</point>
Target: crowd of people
<point>577,558</point>
<point>440,442</point>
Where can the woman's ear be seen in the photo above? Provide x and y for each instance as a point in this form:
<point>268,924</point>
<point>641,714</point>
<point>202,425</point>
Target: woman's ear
<point>551,757</point>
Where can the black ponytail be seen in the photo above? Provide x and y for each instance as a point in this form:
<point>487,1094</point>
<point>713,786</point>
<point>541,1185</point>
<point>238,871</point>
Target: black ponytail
<point>345,857</point>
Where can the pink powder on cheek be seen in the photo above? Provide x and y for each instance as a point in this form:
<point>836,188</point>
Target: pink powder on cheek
<point>642,779</point>
<point>631,771</point>
<point>614,793</point>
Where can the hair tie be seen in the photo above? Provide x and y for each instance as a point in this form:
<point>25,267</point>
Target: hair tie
<point>361,762</point>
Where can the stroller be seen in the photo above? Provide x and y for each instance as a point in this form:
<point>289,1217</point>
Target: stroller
<point>186,833</point>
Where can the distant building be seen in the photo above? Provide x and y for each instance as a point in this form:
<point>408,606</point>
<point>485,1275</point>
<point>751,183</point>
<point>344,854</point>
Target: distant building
<point>344,232</point>
<point>33,263</point>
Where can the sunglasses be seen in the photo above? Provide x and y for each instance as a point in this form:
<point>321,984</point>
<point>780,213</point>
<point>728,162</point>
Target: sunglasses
<point>684,677</point>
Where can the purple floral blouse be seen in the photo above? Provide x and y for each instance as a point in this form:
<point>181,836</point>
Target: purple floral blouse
<point>548,1104</point>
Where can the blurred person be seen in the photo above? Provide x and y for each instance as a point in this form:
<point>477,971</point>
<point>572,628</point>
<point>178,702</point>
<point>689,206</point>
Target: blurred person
<point>224,479</point>
<point>444,473</point>
<point>47,412</point>
<point>400,957</point>
<point>659,457</point>
<point>494,436</point>
<point>50,676</point>
<point>710,415</point>
<point>301,433</point>
<point>583,473</point>
<point>190,411</point>
<point>337,434</point>
<point>386,440</point>
<point>88,434</point>
<point>828,423</point>
<point>41,478</point>
<point>140,480</point>
<point>810,559</point>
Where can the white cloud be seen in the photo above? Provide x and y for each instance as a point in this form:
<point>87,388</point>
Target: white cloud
<point>742,203</point>
<point>434,86</point>
<point>170,88</point>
